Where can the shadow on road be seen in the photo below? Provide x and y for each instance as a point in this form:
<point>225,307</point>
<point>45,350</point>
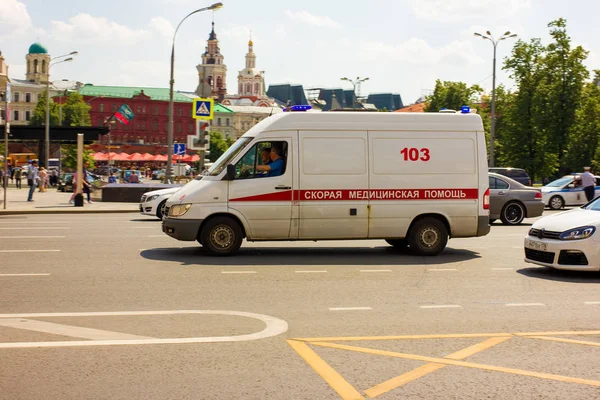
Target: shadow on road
<point>552,274</point>
<point>321,256</point>
<point>156,220</point>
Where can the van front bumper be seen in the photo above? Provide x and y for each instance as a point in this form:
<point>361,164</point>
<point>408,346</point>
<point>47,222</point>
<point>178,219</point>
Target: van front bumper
<point>182,229</point>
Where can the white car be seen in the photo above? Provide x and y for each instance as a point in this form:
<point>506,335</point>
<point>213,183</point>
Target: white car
<point>153,203</point>
<point>568,240</point>
<point>562,192</point>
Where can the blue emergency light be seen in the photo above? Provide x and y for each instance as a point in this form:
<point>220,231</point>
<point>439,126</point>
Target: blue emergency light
<point>298,108</point>
<point>465,110</point>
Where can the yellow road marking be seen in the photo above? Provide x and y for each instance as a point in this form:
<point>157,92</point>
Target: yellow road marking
<point>421,371</point>
<point>403,337</point>
<point>565,340</point>
<point>398,381</point>
<point>331,376</point>
<point>557,333</point>
<point>485,367</point>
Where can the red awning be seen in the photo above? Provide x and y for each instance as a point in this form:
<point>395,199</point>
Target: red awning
<point>121,157</point>
<point>159,157</point>
<point>99,156</point>
<point>135,157</point>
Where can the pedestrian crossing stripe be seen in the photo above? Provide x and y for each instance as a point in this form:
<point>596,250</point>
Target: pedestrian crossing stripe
<point>203,108</point>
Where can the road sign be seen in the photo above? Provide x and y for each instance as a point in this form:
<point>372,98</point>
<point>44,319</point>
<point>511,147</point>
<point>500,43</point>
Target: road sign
<point>179,149</point>
<point>203,108</point>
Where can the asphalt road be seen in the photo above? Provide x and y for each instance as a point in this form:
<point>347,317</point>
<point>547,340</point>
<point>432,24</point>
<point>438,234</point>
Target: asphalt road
<point>107,307</point>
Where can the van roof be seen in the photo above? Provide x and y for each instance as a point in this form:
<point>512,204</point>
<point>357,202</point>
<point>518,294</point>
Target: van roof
<point>361,121</point>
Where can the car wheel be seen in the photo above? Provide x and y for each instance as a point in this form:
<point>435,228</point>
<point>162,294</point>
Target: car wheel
<point>556,203</point>
<point>513,214</point>
<point>428,237</point>
<point>221,236</point>
<point>160,210</point>
<point>398,243</point>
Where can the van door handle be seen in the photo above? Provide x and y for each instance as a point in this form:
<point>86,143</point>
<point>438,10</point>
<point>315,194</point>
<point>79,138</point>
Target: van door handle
<point>283,187</point>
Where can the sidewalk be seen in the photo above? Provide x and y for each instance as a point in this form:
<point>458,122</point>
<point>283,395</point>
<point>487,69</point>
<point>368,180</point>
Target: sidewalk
<point>55,202</point>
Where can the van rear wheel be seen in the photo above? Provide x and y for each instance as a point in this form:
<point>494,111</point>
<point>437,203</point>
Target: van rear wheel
<point>428,237</point>
<point>221,236</point>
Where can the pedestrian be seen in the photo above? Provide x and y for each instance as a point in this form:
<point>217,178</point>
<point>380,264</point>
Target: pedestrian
<point>32,176</point>
<point>86,183</point>
<point>112,178</point>
<point>18,174</point>
<point>588,181</point>
<point>43,179</point>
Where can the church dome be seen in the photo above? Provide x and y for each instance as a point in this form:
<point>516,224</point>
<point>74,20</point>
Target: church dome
<point>37,48</point>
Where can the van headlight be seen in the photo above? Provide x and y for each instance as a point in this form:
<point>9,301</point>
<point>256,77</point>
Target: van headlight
<point>578,233</point>
<point>152,198</point>
<point>178,210</point>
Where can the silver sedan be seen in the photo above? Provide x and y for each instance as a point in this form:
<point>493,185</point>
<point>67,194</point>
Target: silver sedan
<point>511,201</point>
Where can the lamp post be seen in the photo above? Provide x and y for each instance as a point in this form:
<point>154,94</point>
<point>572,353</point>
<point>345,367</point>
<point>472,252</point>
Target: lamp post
<point>47,125</point>
<point>355,82</point>
<point>488,36</point>
<point>169,169</point>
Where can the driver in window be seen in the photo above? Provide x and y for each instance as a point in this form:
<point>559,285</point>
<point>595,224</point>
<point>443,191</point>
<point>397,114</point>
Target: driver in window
<point>275,168</point>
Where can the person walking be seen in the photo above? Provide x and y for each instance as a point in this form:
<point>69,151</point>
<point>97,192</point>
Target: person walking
<point>18,174</point>
<point>32,175</point>
<point>43,179</point>
<point>588,181</point>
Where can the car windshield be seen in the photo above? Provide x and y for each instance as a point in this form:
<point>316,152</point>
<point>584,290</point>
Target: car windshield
<point>594,205</point>
<point>560,182</point>
<point>226,158</point>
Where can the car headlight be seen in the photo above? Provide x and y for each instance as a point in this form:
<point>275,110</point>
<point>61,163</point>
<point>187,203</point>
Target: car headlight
<point>178,210</point>
<point>152,198</point>
<point>578,233</point>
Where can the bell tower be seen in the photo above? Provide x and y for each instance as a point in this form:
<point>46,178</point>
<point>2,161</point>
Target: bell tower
<point>38,64</point>
<point>212,73</point>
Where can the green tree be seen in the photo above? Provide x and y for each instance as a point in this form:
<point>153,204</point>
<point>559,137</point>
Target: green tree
<point>451,95</point>
<point>504,98</point>
<point>218,145</point>
<point>69,157</point>
<point>39,113</point>
<point>75,111</point>
<point>584,138</point>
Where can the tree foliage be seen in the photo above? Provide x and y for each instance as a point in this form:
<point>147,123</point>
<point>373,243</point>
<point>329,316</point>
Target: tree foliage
<point>75,111</point>
<point>218,145</point>
<point>69,157</point>
<point>451,95</point>
<point>39,113</point>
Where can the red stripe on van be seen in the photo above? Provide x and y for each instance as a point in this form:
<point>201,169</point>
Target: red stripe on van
<point>365,194</point>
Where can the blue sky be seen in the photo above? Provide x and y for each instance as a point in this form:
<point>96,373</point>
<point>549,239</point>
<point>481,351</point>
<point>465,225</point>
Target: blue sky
<point>402,46</point>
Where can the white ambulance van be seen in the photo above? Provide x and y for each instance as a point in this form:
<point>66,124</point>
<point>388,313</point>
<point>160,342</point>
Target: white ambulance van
<point>413,179</point>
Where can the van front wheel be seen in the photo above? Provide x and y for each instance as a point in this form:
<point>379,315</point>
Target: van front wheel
<point>221,236</point>
<point>428,237</point>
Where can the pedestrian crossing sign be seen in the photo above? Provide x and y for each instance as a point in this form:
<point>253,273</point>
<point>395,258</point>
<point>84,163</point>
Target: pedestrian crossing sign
<point>203,108</point>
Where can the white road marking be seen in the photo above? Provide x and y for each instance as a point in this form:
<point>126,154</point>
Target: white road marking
<point>375,270</point>
<point>24,274</point>
<point>67,330</point>
<point>525,304</point>
<point>53,228</point>
<point>32,237</point>
<point>156,236</point>
<point>29,251</point>
<point>30,222</point>
<point>238,272</point>
<point>274,326</point>
<point>442,269</point>
<point>145,227</point>
<point>443,306</point>
<point>591,302</point>
<point>503,269</point>
<point>349,308</point>
<point>311,272</point>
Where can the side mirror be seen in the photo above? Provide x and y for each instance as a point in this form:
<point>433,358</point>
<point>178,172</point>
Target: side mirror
<point>230,172</point>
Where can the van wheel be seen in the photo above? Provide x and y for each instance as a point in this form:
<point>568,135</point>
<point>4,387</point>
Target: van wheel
<point>556,203</point>
<point>160,210</point>
<point>428,237</point>
<point>512,214</point>
<point>398,243</point>
<point>221,236</point>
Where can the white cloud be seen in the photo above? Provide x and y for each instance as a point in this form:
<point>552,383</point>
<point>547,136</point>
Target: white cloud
<point>310,19</point>
<point>14,18</point>
<point>162,26</point>
<point>461,10</point>
<point>241,32</point>
<point>148,73</point>
<point>84,28</point>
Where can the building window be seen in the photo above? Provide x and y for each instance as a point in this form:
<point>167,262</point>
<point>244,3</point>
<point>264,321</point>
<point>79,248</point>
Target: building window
<point>27,97</point>
<point>27,116</point>
<point>35,66</point>
<point>17,97</point>
<point>179,112</point>
<point>143,125</point>
<point>114,107</point>
<point>240,88</point>
<point>144,110</point>
<point>101,107</point>
<point>248,88</point>
<point>226,121</point>
<point>43,66</point>
<point>190,128</point>
<point>155,126</point>
<point>257,88</point>
<point>155,110</point>
<point>219,82</point>
<point>139,109</point>
<point>218,121</point>
<point>178,127</point>
<point>16,116</point>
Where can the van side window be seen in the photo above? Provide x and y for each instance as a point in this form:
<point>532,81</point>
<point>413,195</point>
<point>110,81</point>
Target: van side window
<point>263,160</point>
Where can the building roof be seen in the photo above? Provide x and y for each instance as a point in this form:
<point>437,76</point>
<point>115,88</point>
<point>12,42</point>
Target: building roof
<point>130,91</point>
<point>420,107</point>
<point>25,83</point>
<point>37,48</point>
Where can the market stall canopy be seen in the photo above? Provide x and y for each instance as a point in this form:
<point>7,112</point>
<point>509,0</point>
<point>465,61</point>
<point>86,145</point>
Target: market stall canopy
<point>120,157</point>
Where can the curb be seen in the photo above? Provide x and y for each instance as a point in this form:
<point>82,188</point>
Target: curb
<point>26,212</point>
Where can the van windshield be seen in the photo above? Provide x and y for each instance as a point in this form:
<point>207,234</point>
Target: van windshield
<point>228,156</point>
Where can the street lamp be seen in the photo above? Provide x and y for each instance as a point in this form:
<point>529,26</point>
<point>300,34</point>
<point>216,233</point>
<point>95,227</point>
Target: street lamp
<point>355,82</point>
<point>488,36</point>
<point>169,171</point>
<point>47,126</point>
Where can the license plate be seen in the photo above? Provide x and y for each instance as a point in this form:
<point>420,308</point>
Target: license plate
<point>537,245</point>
